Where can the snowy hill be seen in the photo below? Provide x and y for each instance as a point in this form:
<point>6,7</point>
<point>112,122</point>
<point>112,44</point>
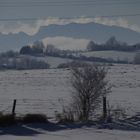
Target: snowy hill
<point>114,55</point>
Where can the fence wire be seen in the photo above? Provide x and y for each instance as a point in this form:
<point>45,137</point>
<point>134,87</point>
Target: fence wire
<point>25,106</point>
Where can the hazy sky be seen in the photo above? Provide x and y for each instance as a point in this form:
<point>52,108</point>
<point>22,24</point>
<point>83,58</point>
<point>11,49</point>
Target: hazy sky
<point>45,12</point>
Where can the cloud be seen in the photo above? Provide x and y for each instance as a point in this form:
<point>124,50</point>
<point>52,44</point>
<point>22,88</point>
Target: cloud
<point>118,22</point>
<point>33,26</point>
<point>66,43</point>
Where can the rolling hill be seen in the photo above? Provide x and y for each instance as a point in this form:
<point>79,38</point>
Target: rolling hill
<point>91,31</point>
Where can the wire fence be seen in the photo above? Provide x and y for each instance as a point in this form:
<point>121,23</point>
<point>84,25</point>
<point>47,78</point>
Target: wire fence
<point>36,106</point>
<point>25,106</point>
<point>48,107</point>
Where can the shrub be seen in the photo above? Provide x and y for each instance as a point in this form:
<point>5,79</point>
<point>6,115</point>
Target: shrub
<point>72,64</point>
<point>67,116</point>
<point>7,119</point>
<point>116,112</point>
<point>89,84</point>
<point>35,118</point>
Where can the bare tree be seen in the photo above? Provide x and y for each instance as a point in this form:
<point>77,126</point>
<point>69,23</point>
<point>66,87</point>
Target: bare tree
<point>90,85</point>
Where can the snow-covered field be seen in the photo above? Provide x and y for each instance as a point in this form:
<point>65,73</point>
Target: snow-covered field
<point>115,55</point>
<point>45,91</point>
<point>54,61</point>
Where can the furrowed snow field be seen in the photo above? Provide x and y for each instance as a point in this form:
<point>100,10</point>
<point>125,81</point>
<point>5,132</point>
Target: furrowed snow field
<point>45,91</point>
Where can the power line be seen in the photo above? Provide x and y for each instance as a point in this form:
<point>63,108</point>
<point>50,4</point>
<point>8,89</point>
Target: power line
<point>60,1</point>
<point>68,18</point>
<point>63,3</point>
<point>69,2</point>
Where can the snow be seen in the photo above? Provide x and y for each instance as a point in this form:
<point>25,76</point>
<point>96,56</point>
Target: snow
<point>45,91</point>
<point>125,80</point>
<point>35,90</point>
<point>115,55</point>
<point>54,61</point>
<point>35,132</point>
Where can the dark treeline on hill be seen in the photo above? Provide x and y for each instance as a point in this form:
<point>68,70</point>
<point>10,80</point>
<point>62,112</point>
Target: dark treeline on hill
<point>28,56</point>
<point>112,44</point>
<point>38,49</point>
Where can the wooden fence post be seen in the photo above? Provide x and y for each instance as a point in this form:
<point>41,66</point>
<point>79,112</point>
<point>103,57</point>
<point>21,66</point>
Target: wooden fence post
<point>104,108</point>
<point>14,107</point>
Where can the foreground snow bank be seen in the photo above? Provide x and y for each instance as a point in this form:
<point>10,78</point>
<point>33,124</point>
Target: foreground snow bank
<point>40,132</point>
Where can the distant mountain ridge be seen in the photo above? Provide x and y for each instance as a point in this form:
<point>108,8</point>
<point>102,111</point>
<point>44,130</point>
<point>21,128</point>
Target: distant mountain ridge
<point>92,31</point>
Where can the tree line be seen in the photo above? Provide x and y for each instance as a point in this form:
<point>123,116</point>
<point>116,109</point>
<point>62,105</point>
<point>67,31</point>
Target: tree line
<point>24,60</point>
<point>112,44</point>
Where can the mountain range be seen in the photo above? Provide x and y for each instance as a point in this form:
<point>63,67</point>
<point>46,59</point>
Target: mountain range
<point>91,31</point>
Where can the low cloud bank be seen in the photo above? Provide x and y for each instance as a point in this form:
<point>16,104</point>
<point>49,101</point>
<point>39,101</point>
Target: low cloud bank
<point>32,27</point>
